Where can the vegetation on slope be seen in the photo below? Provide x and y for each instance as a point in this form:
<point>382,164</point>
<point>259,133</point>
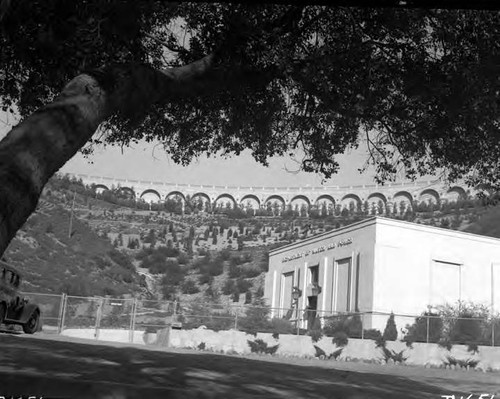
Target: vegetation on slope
<point>54,258</point>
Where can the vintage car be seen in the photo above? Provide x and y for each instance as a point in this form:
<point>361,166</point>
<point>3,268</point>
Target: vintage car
<point>15,309</point>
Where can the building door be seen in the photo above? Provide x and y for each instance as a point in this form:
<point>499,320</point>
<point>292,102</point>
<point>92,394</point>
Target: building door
<point>445,283</point>
<point>286,294</point>
<point>343,286</point>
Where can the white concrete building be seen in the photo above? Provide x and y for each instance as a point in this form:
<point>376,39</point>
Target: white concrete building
<point>384,265</point>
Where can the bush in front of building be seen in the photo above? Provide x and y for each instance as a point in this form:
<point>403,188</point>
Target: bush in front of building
<point>492,333</point>
<point>351,325</point>
<point>461,323</point>
<point>373,334</point>
<point>466,323</point>
<point>315,331</point>
<point>466,330</point>
<point>281,326</point>
<point>390,331</point>
<point>417,332</point>
<point>256,318</point>
<point>340,339</point>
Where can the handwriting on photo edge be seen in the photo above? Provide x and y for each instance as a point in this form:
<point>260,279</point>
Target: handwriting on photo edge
<point>470,396</point>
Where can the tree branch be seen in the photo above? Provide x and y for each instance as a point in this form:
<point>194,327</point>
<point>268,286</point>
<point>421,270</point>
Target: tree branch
<point>175,49</point>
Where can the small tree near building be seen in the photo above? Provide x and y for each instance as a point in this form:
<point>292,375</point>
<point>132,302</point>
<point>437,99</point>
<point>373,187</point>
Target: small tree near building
<point>390,332</point>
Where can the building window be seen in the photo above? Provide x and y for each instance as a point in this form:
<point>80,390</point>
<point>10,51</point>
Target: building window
<point>314,274</point>
<point>286,293</point>
<point>356,285</point>
<point>343,286</point>
<point>445,282</point>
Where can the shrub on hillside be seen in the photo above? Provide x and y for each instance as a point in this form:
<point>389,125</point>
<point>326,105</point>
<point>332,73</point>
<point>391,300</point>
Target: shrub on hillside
<point>243,285</point>
<point>174,275</point>
<point>248,297</point>
<point>202,252</point>
<point>259,293</point>
<point>204,278</point>
<point>183,258</point>
<point>229,287</point>
<point>189,287</point>
<point>224,255</point>
<point>75,287</point>
<point>168,252</point>
<point>264,262</point>
<point>234,271</point>
<point>235,260</point>
<point>101,262</point>
<point>251,272</point>
<point>133,243</point>
<point>215,267</point>
<point>169,291</point>
<point>121,259</point>
<point>236,295</point>
<point>212,293</point>
<point>155,266</point>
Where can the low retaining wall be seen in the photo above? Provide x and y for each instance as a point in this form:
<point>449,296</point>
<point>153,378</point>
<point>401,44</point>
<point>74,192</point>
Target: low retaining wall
<point>236,342</point>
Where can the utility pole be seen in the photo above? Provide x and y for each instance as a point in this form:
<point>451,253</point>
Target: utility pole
<point>71,215</point>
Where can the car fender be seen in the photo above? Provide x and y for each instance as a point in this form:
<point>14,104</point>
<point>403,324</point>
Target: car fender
<point>28,310</point>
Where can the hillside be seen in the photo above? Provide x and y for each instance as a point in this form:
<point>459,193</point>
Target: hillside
<point>488,224</point>
<point>123,246</point>
<point>81,263</point>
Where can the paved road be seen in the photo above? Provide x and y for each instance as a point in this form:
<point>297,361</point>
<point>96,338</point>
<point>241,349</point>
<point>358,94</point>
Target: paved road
<point>60,367</point>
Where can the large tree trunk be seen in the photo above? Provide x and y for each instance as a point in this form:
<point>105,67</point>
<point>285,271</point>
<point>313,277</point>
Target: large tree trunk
<point>39,146</point>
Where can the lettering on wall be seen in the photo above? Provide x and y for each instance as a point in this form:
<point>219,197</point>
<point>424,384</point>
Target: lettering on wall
<point>323,248</point>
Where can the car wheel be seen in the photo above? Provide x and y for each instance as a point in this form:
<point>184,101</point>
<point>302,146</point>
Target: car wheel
<point>31,326</point>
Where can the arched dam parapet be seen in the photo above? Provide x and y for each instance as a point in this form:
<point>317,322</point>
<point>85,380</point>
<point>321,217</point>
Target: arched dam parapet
<point>408,192</point>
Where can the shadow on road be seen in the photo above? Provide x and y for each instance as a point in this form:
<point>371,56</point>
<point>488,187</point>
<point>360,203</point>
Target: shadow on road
<point>51,368</point>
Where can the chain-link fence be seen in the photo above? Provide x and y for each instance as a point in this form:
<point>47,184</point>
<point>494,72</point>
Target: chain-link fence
<point>63,312</point>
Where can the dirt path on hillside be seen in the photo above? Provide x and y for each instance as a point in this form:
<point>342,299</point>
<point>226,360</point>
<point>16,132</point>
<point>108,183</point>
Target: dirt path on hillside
<point>55,366</point>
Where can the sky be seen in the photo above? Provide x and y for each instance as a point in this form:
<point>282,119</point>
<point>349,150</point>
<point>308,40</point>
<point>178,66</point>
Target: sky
<point>148,162</point>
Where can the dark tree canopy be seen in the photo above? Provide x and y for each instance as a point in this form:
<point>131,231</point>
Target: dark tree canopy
<point>420,85</point>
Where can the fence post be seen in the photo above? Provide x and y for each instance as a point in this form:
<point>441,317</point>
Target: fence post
<point>297,323</point>
<point>362,326</point>
<point>98,318</point>
<point>236,319</point>
<point>62,313</point>
<point>493,331</point>
<point>132,321</point>
<point>427,330</point>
